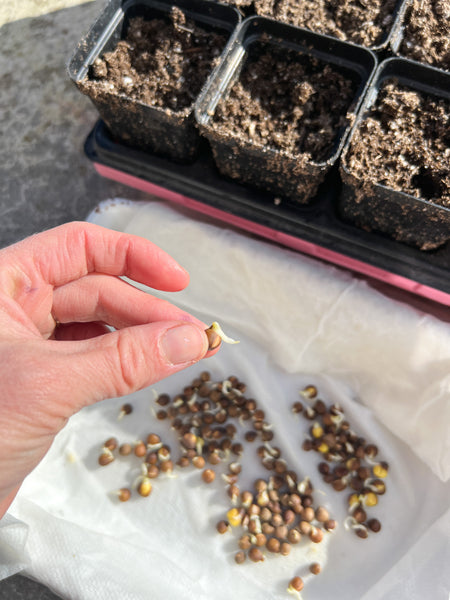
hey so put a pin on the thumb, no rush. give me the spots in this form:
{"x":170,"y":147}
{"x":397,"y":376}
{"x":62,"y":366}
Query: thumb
{"x":123,"y":361}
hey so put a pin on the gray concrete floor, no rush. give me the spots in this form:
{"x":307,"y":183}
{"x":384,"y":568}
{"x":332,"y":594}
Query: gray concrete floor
{"x":45,"y":179}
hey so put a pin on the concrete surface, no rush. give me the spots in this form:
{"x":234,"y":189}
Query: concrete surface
{"x":45,"y":179}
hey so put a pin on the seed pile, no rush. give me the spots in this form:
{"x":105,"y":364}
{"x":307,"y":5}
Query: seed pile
{"x":350,"y":462}
{"x":154,"y":454}
{"x":278,"y":511}
{"x":215,"y":423}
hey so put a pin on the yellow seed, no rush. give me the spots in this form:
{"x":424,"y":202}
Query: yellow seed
{"x":317,"y":430}
{"x":145,"y":487}
{"x":354,"y":500}
{"x":234,"y":517}
{"x":380,"y":471}
{"x":323,"y":448}
{"x":370,"y":499}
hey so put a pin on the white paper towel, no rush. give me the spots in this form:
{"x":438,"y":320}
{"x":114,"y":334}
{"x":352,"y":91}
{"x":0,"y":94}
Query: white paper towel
{"x":299,"y":321}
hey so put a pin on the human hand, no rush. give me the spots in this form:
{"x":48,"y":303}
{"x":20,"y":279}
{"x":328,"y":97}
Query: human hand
{"x":59,"y":290}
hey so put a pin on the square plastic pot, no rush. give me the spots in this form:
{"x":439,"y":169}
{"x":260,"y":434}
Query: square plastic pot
{"x":294,"y":176}
{"x":375,"y":207}
{"x":160,"y":130}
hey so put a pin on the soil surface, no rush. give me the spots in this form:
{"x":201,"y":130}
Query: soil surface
{"x":160,"y":63}
{"x":426,"y":36}
{"x":364,"y":22}
{"x":287,"y":101}
{"x":404,"y":144}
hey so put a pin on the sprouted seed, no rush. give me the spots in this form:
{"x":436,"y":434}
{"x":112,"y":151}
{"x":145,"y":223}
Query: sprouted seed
{"x":295,"y":586}
{"x":124,"y":494}
{"x":126,"y":409}
{"x":216,"y":335}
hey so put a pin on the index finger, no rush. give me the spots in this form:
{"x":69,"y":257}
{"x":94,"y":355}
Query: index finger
{"x":73,"y":250}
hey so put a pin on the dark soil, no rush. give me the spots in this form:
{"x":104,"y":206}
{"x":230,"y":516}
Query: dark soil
{"x":426,"y":36}
{"x":160,"y":63}
{"x":287,"y":101}
{"x":404,"y":144}
{"x":364,"y":22}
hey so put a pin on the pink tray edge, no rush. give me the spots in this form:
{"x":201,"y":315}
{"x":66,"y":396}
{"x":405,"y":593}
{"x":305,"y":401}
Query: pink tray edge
{"x":277,"y":236}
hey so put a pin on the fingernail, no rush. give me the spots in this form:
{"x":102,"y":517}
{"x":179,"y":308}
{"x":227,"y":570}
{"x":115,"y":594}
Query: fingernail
{"x":183,"y":343}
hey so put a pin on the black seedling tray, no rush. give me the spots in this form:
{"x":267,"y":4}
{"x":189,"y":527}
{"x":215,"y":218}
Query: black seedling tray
{"x":315,"y":228}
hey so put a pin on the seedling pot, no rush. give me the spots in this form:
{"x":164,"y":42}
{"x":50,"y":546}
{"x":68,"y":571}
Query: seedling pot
{"x":292,"y":173}
{"x":161,"y":129}
{"x":418,"y":220}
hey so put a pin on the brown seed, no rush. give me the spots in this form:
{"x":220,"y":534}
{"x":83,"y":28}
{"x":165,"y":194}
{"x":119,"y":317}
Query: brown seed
{"x":166,"y":466}
{"x":237,"y":448}
{"x":289,"y":516}
{"x":285,"y":549}
{"x":371,"y":450}
{"x":244,"y":542}
{"x":316,"y":535}
{"x":267,"y":528}
{"x":363,"y":473}
{"x":305,"y":527}
{"x":281,"y":532}
{"x":310,"y":391}
{"x":353,"y":464}
{"x":223,"y":526}
{"x":251,"y":436}
{"x":323,"y":468}
{"x":322,"y":514}
{"x":214,"y":340}
{"x":297,"y":407}
{"x":308,"y":514}
{"x":183,"y":462}
{"x":152,"y":471}
{"x":111,"y":444}
{"x":361,"y":532}
{"x":296,"y":584}
{"x":153,"y":439}
{"x":124,"y":494}
{"x":161,"y":415}
{"x":198,"y":462}
{"x":330,"y":524}
{"x":294,"y":536}
{"x":255,"y":554}
{"x":163,"y":399}
{"x":126,"y":409}
{"x":314,"y":568}
{"x":273,"y":545}
{"x":339,"y":485}
{"x":307,"y":445}
{"x":359,"y":514}
{"x":105,"y":458}
{"x":356,"y":484}
{"x":374,"y":525}
{"x":125,"y":449}
{"x":208,"y":475}
{"x":239,"y":557}
{"x":261,"y":539}
{"x":189,"y":440}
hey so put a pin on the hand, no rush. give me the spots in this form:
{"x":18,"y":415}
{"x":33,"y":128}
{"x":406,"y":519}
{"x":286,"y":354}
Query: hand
{"x":59,"y":290}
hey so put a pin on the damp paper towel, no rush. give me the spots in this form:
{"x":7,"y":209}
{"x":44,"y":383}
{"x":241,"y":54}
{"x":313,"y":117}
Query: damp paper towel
{"x":299,"y":322}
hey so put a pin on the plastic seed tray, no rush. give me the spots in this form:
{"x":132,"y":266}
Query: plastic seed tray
{"x":314,"y":229}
